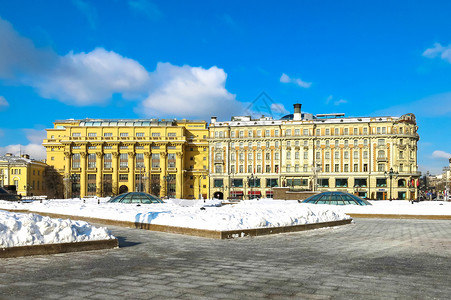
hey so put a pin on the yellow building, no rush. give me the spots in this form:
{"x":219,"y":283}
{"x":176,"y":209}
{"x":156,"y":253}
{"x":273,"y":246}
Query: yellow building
{"x":168,"y":158}
{"x":23,"y":174}
{"x":325,"y":152}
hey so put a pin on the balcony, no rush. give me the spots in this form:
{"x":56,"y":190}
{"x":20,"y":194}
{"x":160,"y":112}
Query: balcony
{"x":382,"y":159}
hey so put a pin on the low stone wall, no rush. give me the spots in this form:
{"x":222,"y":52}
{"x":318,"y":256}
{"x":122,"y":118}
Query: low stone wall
{"x":284,"y":193}
{"x":47,"y":249}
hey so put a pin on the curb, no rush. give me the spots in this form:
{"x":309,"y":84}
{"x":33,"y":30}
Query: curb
{"x":47,"y":249}
{"x":213,"y":234}
{"x":395,"y":216}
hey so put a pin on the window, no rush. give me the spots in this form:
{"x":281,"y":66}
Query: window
{"x":123,"y":134}
{"x":337,"y":131}
{"x":318,"y":132}
{"x":249,"y":133}
{"x":380,"y":142}
{"x":356,"y":131}
{"x":232,"y":169}
{"x":296,"y":132}
{"x":108,"y":147}
{"x":241,"y":169}
{"x":327,"y":168}
{"x":271,"y":182}
{"x":268,"y":169}
{"x":250,"y":156}
{"x":337,"y":168}
{"x":108,"y":134}
{"x":305,"y":168}
{"x":305,"y":132}
{"x":123,"y":177}
{"x":327,"y":155}
{"x":276,"y":132}
{"x":267,"y":133}
{"x":76,"y":160}
{"x":288,"y":155}
{"x":296,"y":155}
{"x":337,"y":155}
{"x":218,"y":168}
{"x":218,"y":183}
{"x":381,"y":167}
{"x":237,"y":183}
{"x":323,"y":182}
{"x":341,"y":182}
{"x":233,"y":156}
{"x":259,"y":133}
{"x":259,"y":168}
{"x":327,"y":131}
{"x":241,"y":133}
{"x":76,"y":134}
{"x":360,"y":182}
{"x":356,"y":155}
{"x":384,"y":130}
{"x":327,"y":143}
{"x":365,"y":130}
{"x":381,"y":182}
{"x":296,"y":168}
{"x":346,"y":155}
{"x":401,"y":154}
{"x":141,"y":134}
{"x":92,"y":134}
{"x":276,"y":156}
{"x":107,"y":160}
{"x":123,"y":147}
{"x":91,"y":160}
{"x":365,"y":154}
{"x":346,"y":131}
{"x":346,"y":168}
{"x":288,"y":168}
{"x":306,"y":155}
{"x":288,"y":132}
{"x":318,"y":155}
{"x":356,"y":167}
{"x":259,"y":156}
{"x":381,"y":154}
{"x":365,"y":167}
{"x":346,"y":143}
{"x":336,"y":143}
{"x":241,"y":156}
{"x":123,"y":160}
{"x":155,"y":160}
{"x":139,"y":160}
{"x":267,"y":156}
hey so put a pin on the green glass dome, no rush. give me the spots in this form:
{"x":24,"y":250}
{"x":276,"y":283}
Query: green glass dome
{"x":135,"y":198}
{"x":336,"y":198}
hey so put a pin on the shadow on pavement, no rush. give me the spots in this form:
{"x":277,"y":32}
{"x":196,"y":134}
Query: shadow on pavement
{"x":124,"y":243}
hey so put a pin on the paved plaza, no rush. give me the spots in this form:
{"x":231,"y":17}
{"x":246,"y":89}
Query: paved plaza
{"x":370,"y":259}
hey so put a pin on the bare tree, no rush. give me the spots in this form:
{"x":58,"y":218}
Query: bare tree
{"x":53,"y":182}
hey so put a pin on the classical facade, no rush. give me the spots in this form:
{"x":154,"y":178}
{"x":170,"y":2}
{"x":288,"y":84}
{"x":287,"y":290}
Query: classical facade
{"x":373,"y":157}
{"x":23,"y":175}
{"x":168,"y":158}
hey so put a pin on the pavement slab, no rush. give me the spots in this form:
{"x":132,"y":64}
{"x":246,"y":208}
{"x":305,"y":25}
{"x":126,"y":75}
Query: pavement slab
{"x":369,"y":259}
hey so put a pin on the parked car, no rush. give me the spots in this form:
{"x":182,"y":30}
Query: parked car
{"x":4,"y":195}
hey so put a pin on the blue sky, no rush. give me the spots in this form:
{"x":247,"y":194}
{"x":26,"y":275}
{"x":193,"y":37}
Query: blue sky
{"x":195,"y":59}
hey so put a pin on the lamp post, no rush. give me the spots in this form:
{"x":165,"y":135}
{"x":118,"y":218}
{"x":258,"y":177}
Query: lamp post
{"x":390,"y":175}
{"x":251,"y":179}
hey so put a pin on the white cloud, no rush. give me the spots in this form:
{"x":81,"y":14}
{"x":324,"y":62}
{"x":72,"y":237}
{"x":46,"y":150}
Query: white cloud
{"x":92,"y":78}
{"x":336,"y":102}
{"x":438,"y":154}
{"x":146,"y":7}
{"x":279,"y":108}
{"x":287,"y":79}
{"x":36,"y":151}
{"x":76,"y":78}
{"x":88,"y":10}
{"x":35,"y":136}
{"x":422,"y":107}
{"x":3,"y":103}
{"x":439,"y":51}
{"x":189,"y":92}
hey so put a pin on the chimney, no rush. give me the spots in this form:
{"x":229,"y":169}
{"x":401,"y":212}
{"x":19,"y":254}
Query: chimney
{"x":297,"y":112}
{"x":213,"y":120}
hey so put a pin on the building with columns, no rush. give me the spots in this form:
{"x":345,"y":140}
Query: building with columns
{"x":100,"y":157}
{"x":373,"y":157}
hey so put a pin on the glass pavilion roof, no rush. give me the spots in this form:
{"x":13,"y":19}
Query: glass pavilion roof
{"x":135,"y":198}
{"x":336,"y":198}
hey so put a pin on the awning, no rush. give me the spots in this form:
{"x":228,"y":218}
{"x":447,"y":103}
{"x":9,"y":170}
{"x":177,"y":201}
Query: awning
{"x":258,"y":193}
{"x":236,"y":193}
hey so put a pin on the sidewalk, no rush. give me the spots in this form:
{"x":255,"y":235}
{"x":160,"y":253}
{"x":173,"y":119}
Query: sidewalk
{"x":371,"y":259}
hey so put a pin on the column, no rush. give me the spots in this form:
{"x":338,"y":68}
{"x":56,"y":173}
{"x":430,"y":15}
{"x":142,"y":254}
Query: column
{"x":83,"y":174}
{"x":163,"y":174}
{"x":179,"y":176}
{"x":115,"y":173}
{"x":131,"y":171}
{"x":99,"y":179}
{"x":67,"y":182}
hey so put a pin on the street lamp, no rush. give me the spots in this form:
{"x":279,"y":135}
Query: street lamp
{"x":251,"y":179}
{"x":390,"y":175}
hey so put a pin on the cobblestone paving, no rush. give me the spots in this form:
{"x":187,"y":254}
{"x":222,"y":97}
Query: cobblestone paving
{"x":370,"y":259}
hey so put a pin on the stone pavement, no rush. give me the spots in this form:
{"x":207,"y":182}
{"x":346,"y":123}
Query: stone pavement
{"x":371,"y":259}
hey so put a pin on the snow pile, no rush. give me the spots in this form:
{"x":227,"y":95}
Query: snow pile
{"x":18,"y":229}
{"x":401,"y":207}
{"x":199,"y":215}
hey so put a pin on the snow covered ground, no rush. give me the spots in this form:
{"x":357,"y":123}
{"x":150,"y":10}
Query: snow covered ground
{"x":29,"y":229}
{"x":192,"y":214}
{"x":401,"y":207}
{"x":20,"y":229}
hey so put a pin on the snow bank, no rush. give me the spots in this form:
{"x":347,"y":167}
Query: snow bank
{"x":401,"y":207}
{"x":18,"y":229}
{"x":199,"y":214}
